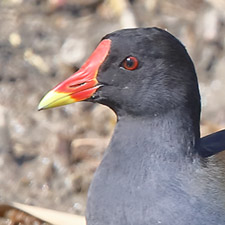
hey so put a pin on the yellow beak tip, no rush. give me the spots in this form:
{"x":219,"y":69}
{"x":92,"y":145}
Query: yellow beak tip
{"x":40,"y":108}
{"x":54,"y":99}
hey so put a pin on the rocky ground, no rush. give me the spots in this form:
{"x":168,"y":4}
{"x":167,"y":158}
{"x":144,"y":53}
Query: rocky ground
{"x":48,"y":158}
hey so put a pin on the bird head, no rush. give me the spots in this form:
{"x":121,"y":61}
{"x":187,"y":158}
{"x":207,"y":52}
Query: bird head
{"x":142,"y":71}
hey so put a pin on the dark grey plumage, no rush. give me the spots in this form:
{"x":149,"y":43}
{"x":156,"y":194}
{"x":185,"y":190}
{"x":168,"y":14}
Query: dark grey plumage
{"x":153,"y":171}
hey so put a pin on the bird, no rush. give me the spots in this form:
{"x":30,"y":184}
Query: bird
{"x":156,"y":168}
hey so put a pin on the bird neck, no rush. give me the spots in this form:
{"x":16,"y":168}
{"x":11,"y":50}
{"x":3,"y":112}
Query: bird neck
{"x":168,"y":136}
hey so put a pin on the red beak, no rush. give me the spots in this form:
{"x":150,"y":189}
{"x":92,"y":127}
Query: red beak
{"x":82,"y":84}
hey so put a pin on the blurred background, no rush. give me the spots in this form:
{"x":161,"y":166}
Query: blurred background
{"x":48,"y":158}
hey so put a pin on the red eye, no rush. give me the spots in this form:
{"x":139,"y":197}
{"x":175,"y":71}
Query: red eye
{"x":130,"y":63}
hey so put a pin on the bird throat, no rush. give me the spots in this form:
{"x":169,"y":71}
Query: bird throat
{"x":167,"y":136}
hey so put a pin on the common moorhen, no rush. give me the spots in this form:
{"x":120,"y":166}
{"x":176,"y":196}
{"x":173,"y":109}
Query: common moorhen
{"x":156,"y":169}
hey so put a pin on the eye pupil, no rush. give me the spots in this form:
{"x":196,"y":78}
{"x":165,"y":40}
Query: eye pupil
{"x":130,"y":63}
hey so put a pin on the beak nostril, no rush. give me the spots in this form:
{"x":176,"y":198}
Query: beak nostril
{"x":77,"y":85}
